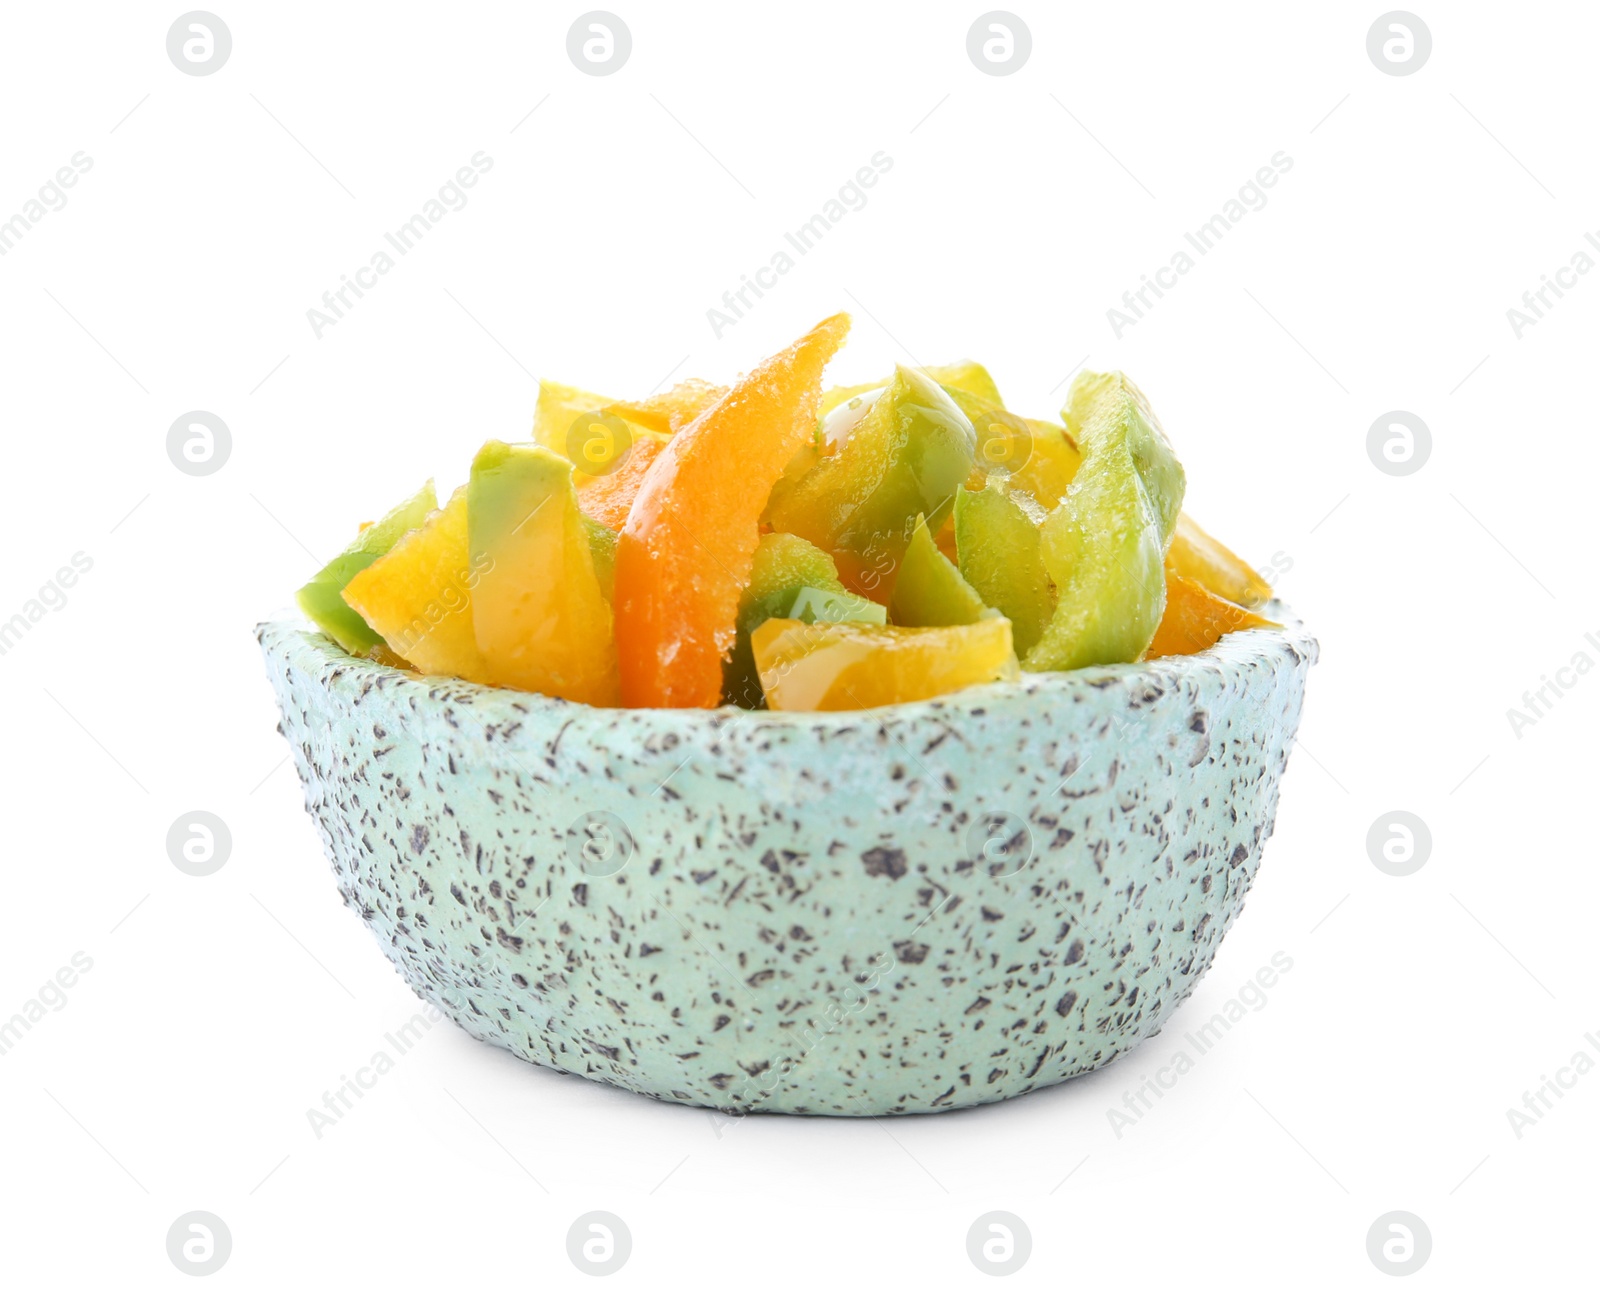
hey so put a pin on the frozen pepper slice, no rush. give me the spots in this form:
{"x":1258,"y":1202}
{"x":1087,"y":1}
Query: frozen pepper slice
{"x":418,"y":597}
{"x":910,"y":452}
{"x":966,"y":375}
{"x":1103,"y":545}
{"x":608,"y":498}
{"x":1195,"y":619}
{"x":539,"y":614}
{"x":789,"y":578}
{"x":685,"y":553}
{"x":929,"y":590}
{"x":831,"y":667}
{"x":1196,"y":554}
{"x":669,"y":412}
{"x":997,"y":540}
{"x":322,"y":600}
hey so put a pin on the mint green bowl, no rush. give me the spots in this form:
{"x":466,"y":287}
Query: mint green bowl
{"x":895,"y":911}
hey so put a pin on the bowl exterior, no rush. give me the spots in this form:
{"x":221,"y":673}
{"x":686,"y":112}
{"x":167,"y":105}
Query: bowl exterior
{"x":905,"y":910}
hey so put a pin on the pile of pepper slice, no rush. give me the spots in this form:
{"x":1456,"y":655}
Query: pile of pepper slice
{"x":769,"y":544}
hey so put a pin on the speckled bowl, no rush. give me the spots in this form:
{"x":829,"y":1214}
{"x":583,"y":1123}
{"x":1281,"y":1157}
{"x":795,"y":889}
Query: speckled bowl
{"x":896,"y":911}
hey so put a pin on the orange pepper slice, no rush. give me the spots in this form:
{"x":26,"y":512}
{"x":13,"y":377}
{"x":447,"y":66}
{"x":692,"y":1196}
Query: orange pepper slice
{"x":1195,"y":619}
{"x":669,"y":412}
{"x":685,"y":552}
{"x":609,"y":497}
{"x":1199,"y":556}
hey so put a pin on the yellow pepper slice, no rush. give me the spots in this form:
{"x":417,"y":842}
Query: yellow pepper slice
{"x":843,"y":666}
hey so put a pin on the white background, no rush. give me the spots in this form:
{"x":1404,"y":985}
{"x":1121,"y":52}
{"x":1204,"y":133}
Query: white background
{"x":219,"y":1010}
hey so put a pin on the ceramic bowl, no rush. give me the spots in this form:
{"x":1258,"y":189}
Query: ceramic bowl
{"x":896,"y":911}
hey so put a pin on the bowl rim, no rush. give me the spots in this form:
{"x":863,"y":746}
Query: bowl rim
{"x":1234,"y":654}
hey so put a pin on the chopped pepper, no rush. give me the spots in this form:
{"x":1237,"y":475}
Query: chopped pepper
{"x":685,"y":553}
{"x":1195,"y":619}
{"x":539,"y":613}
{"x":1103,"y":545}
{"x":909,"y":453}
{"x":830,"y":667}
